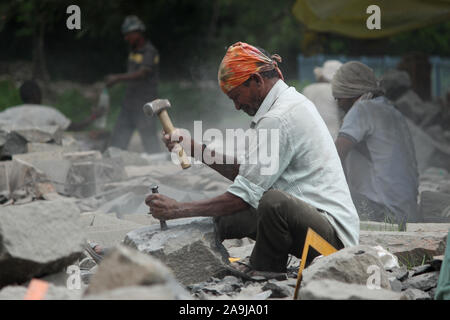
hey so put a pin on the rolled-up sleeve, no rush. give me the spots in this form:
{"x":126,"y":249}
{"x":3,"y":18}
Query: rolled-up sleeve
{"x":256,"y":178}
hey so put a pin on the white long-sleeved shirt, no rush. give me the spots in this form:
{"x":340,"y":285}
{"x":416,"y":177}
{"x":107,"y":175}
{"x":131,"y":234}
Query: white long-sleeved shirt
{"x":306,"y":166}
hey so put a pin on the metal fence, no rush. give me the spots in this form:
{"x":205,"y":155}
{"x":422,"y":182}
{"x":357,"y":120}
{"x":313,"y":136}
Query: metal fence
{"x":440,"y":74}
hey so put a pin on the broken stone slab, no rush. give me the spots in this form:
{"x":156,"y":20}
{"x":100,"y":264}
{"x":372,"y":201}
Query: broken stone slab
{"x":424,"y":282}
{"x":40,"y":134}
{"x":38,"y":238}
{"x":88,"y":178}
{"x":126,"y":267}
{"x":128,"y":158}
{"x":279,"y":289}
{"x":411,"y":248}
{"x":328,"y":289}
{"x":83,"y":156}
{"x":26,"y":180}
{"x":416,"y":294}
{"x":434,"y":204}
{"x":396,"y":285}
{"x":188,"y":247}
{"x":14,"y":144}
{"x":350,"y":265}
{"x":39,"y":156}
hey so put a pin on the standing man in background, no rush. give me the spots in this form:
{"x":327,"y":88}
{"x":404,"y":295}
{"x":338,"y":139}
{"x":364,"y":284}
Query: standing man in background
{"x":142,"y":86}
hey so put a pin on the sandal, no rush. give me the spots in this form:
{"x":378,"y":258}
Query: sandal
{"x":243,"y":270}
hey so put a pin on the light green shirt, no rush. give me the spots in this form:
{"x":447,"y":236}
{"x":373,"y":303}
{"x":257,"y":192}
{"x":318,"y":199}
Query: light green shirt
{"x":306,"y":165}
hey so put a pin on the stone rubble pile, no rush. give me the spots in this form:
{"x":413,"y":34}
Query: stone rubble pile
{"x":56,"y":195}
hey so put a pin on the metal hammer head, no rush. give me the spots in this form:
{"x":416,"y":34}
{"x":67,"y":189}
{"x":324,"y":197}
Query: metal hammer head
{"x":156,"y":106}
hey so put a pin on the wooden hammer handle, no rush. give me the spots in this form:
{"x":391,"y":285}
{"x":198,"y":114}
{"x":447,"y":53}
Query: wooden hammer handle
{"x":169,"y":128}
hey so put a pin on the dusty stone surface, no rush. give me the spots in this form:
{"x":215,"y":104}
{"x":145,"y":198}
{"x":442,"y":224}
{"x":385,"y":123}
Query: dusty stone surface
{"x":106,"y":229}
{"x":53,"y":293}
{"x":128,"y":158}
{"x":38,"y":238}
{"x":409,"y":247}
{"x":349,"y":265}
{"x":156,"y":292}
{"x":188,"y":247}
{"x":435,"y":206}
{"x":328,"y":289}
{"x":126,"y":267}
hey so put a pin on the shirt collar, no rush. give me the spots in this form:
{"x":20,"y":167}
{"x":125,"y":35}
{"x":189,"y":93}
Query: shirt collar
{"x":269,"y":100}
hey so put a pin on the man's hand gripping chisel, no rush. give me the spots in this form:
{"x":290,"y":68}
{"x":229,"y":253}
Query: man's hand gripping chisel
{"x":162,"y":223}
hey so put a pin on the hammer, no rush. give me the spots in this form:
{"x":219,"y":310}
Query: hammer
{"x":159,"y":107}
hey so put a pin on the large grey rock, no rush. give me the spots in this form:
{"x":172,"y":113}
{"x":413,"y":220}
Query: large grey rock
{"x":126,"y":267}
{"x":188,"y":247}
{"x":14,"y":144}
{"x":37,"y":239}
{"x":327,"y":289}
{"x":411,"y":248}
{"x":424,"y":282}
{"x":349,"y":265}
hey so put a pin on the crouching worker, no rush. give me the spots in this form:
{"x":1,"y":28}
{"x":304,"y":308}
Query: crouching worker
{"x":376,"y":149}
{"x":306,"y":188}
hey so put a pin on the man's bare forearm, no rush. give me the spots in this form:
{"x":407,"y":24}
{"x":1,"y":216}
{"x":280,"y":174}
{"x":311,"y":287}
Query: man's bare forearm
{"x":226,"y":169}
{"x":224,"y":204}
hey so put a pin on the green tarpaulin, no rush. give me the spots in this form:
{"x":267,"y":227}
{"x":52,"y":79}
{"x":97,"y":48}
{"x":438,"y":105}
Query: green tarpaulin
{"x":348,"y":17}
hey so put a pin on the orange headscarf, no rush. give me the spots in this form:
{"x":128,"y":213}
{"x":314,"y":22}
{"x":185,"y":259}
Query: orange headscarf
{"x":240,"y":62}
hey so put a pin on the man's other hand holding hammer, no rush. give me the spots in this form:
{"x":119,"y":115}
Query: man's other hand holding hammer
{"x":163,"y":207}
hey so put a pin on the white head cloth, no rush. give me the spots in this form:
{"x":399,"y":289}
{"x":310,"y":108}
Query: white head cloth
{"x":355,"y":79}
